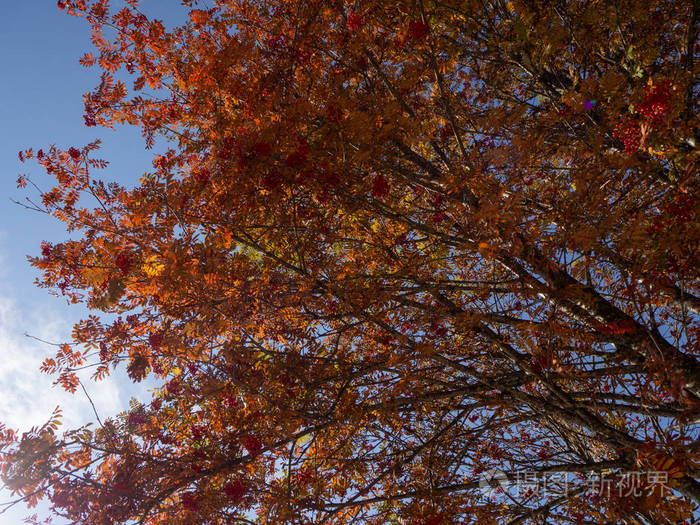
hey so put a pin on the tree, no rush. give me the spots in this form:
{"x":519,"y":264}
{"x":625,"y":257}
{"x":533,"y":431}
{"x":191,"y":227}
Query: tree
{"x":393,"y":246}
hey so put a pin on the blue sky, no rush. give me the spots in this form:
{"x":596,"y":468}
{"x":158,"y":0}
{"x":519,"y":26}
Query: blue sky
{"x":42,"y":86}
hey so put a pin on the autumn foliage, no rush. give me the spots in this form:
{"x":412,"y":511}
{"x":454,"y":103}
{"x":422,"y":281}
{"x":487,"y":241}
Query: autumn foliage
{"x":392,"y":246}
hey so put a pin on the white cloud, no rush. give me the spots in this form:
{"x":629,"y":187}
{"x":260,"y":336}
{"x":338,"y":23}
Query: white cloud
{"x":29,"y":396}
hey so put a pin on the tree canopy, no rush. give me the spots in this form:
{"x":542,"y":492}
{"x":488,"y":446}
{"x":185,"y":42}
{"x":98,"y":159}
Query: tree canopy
{"x":392,"y":247}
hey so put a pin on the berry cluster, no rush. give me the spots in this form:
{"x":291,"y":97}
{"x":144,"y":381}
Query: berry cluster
{"x":189,"y":501}
{"x":651,"y":110}
{"x":354,"y":21}
{"x":235,"y":490}
{"x":123,"y":261}
{"x":417,"y":30}
{"x":655,"y":103}
{"x":380,"y":187}
{"x":630,"y":134}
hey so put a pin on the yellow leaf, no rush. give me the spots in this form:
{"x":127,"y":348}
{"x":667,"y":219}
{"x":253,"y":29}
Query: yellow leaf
{"x":94,"y":276}
{"x":152,"y":267}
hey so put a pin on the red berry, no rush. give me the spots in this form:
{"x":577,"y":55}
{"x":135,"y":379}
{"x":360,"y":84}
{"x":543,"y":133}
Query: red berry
{"x":630,"y":134}
{"x":202,"y":177}
{"x":271,"y":181}
{"x":123,"y":262}
{"x":235,"y":490}
{"x":446,"y":132}
{"x":417,"y":30}
{"x":354,"y":21}
{"x":334,"y":113}
{"x":655,"y":104}
{"x":155,"y":340}
{"x":46,"y":248}
{"x":189,"y":501}
{"x":252,"y":444}
{"x":262,"y":148}
{"x":296,"y":159}
{"x":380,"y":187}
